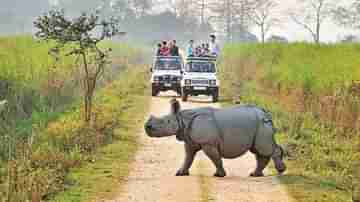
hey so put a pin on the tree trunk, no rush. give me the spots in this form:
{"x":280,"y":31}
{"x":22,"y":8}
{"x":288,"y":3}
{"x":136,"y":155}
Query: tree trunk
{"x":262,"y":34}
{"x":88,"y":106}
{"x":318,"y":25}
{"x":228,"y":22}
{"x":202,"y":13}
{"x":90,"y":88}
{"x":317,"y":33}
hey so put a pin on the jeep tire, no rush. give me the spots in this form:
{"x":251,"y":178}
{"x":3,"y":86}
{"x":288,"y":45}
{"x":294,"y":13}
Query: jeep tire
{"x":154,"y":92}
{"x":179,"y":91}
{"x":215,"y":96}
{"x":184,"y":95}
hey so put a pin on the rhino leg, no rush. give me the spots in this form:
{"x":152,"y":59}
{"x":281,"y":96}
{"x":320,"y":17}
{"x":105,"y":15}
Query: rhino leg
{"x":261,"y":163}
{"x":277,"y":158}
{"x":214,"y":155}
{"x":189,"y":158}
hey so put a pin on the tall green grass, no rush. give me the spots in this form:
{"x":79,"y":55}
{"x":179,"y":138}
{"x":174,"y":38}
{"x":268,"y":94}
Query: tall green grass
{"x":319,"y":68}
{"x":26,"y":62}
{"x":313,"y":94}
{"x":36,"y":88}
{"x":40,"y":90}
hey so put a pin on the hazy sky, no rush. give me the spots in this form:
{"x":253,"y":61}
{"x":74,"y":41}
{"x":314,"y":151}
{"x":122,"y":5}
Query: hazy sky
{"x":329,"y":32}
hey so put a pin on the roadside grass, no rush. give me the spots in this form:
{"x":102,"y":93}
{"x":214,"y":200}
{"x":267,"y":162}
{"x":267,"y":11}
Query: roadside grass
{"x":322,"y":156}
{"x":43,"y":134}
{"x":39,"y":90}
{"x":101,"y":178}
{"x":66,"y":165}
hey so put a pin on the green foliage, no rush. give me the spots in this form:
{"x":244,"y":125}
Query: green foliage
{"x":323,"y":152}
{"x":317,"y":68}
{"x":69,"y":142}
{"x":123,"y":110}
{"x":27,"y":61}
{"x":38,"y":91}
{"x":76,"y":37}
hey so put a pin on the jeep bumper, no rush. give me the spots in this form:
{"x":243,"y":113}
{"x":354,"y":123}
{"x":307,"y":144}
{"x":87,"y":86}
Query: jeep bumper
{"x":200,"y":90}
{"x":161,"y":86}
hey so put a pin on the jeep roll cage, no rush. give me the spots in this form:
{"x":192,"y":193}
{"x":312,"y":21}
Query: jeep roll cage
{"x":167,"y":58}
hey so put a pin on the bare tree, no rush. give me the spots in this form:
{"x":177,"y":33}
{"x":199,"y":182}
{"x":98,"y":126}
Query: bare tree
{"x":141,"y":7}
{"x":262,"y":16}
{"x":312,"y":15}
{"x":229,"y":14}
{"x":122,"y":9}
{"x":182,"y":8}
{"x":348,"y":16}
{"x":78,"y":37}
{"x":201,"y":8}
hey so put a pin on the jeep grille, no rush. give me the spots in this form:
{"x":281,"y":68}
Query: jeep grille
{"x":202,"y":82}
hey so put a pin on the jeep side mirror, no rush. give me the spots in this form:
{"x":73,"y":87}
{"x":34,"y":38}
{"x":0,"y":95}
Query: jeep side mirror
{"x":151,"y":70}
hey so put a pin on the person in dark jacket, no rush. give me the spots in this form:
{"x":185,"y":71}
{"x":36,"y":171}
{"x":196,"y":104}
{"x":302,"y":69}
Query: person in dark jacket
{"x":174,"y":50}
{"x":158,"y":51}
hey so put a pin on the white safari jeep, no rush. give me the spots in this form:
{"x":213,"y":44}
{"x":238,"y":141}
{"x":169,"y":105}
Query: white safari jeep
{"x":166,"y":74}
{"x":199,"y":78}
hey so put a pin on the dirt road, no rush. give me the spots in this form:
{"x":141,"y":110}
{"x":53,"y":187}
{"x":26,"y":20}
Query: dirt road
{"x":152,"y":177}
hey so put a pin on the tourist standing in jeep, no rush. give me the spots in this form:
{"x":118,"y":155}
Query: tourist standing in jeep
{"x":214,"y":47}
{"x":174,"y":50}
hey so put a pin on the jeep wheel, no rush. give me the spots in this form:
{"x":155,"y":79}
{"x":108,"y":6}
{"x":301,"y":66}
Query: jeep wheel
{"x":215,"y":97}
{"x":154,"y":92}
{"x":184,"y":96}
{"x":179,"y":92}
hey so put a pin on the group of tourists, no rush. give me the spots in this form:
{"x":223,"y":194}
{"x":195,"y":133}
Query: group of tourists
{"x":169,"y":48}
{"x":211,"y":49}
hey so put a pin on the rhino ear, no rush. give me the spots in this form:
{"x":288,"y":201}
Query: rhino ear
{"x":175,"y":106}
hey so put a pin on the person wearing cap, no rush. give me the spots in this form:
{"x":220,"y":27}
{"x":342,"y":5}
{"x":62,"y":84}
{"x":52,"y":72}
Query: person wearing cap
{"x":214,"y":47}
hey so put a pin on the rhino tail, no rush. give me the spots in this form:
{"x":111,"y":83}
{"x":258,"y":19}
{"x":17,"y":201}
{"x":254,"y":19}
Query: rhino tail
{"x":278,"y":157}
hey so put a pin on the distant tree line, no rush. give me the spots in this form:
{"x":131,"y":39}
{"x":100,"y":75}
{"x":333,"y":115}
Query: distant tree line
{"x":184,"y":19}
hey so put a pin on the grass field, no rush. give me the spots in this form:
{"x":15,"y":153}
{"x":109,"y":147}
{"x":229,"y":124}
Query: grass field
{"x":313,"y":93}
{"x":111,"y":162}
{"x":42,"y":136}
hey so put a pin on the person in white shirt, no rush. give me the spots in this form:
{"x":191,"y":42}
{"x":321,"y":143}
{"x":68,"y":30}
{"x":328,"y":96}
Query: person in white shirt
{"x":214,"y":47}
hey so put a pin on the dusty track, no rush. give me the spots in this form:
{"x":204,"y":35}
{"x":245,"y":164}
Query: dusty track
{"x":152,"y":177}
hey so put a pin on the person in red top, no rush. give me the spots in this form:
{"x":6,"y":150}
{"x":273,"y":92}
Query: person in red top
{"x":164,"y":50}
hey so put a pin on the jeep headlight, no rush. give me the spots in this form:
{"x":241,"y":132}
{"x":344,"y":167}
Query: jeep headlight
{"x":188,"y":82}
{"x":213,"y":82}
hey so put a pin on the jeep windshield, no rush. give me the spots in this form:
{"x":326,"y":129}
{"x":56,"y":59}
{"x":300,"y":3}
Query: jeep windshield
{"x":201,"y":67}
{"x":168,"y":64}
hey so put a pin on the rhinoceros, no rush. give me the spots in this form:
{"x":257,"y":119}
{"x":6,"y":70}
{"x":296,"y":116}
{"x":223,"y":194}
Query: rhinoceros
{"x":221,"y":133}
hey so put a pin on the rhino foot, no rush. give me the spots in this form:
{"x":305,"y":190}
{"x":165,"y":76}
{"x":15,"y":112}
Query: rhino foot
{"x":182,"y":173}
{"x":256,"y":174}
{"x":281,"y":168}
